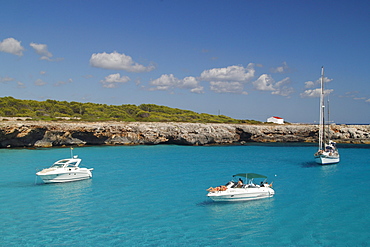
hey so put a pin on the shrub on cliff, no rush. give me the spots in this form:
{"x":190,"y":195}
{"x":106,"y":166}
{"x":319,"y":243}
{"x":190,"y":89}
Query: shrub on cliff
{"x":62,"y":110}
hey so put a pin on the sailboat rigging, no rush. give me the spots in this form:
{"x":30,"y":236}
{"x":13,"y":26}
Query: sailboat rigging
{"x":327,"y":152}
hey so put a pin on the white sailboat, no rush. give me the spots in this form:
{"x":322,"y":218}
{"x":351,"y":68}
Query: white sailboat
{"x":327,"y":152}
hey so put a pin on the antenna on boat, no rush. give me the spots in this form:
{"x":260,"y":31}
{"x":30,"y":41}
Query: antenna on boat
{"x":71,"y":152}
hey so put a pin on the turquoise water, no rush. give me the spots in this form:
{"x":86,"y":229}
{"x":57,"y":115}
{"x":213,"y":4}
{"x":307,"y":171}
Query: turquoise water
{"x":156,"y":196}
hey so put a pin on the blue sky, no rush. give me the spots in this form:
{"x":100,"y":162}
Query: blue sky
{"x":244,"y":59}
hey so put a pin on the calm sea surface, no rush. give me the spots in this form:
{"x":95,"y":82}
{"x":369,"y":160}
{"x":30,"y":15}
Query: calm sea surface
{"x":156,"y":196}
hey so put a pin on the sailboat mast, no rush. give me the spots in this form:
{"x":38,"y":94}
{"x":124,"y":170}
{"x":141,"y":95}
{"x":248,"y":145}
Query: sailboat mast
{"x":328,"y":120}
{"x":322,"y":112}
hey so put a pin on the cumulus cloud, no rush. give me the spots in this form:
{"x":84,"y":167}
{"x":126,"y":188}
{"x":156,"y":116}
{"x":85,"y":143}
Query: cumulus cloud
{"x":267,"y":83}
{"x":165,"y":82}
{"x":233,"y":73}
{"x":311,"y":84}
{"x":113,"y":80}
{"x":314,"y":93}
{"x":12,"y":46}
{"x":117,"y":61}
{"x":264,"y":83}
{"x":169,"y":82}
{"x":311,"y":93}
{"x":227,"y":87}
{"x":230,"y":79}
{"x":42,"y":50}
{"x":281,"y":69}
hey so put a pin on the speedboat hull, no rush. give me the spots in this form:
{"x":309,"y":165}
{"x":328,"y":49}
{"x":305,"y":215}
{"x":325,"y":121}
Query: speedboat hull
{"x":62,"y":175}
{"x":241,"y":194}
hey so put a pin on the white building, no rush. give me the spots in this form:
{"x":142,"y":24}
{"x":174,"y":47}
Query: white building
{"x":277,"y":120}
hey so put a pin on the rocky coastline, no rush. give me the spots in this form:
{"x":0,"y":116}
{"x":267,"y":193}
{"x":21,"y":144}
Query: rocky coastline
{"x":15,"y":134}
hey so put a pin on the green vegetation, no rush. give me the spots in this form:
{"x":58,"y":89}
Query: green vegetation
{"x":52,"y":110}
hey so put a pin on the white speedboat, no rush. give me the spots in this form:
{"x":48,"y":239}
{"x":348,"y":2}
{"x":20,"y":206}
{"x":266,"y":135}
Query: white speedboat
{"x":327,"y":152}
{"x":65,"y":170}
{"x":240,"y":191}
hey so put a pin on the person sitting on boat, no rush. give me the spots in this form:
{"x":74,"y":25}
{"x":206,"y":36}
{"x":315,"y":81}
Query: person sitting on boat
{"x":240,"y":183}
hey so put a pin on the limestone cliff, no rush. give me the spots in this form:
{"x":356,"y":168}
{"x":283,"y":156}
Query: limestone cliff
{"x":50,"y":134}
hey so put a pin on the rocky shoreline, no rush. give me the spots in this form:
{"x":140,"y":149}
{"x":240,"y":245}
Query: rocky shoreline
{"x":53,"y":134}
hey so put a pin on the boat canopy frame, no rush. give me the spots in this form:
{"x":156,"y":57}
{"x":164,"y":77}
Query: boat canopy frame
{"x":249,"y":175}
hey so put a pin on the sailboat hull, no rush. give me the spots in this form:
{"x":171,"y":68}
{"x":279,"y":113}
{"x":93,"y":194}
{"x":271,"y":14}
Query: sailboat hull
{"x":324,"y":159}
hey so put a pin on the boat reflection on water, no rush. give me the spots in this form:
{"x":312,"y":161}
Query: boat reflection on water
{"x":68,"y":199}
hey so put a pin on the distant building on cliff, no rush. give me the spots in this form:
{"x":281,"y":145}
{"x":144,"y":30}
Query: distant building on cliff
{"x":277,"y":120}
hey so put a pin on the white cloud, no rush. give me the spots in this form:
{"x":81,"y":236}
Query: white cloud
{"x":165,"y":82}
{"x":282,"y":89}
{"x":267,"y":83}
{"x":282,"y":69}
{"x":112,"y":81}
{"x":314,"y":93}
{"x":360,"y":98}
{"x":42,"y":50}
{"x":311,"y":84}
{"x":42,"y":72}
{"x":264,"y":83}
{"x":40,"y":82}
{"x":6,"y":79}
{"x":230,"y":79}
{"x":20,"y":85}
{"x":326,"y":80}
{"x":282,"y":82}
{"x":63,"y":82}
{"x":233,"y":73}
{"x":197,"y":90}
{"x":169,"y":82}
{"x":12,"y":46}
{"x":227,"y":87}
{"x":117,"y":61}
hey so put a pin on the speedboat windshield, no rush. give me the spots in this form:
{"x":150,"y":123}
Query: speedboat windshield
{"x":62,"y":163}
{"x":57,"y":165}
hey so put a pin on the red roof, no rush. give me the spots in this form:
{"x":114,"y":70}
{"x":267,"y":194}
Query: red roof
{"x":277,"y":117}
